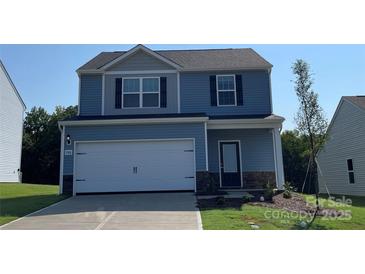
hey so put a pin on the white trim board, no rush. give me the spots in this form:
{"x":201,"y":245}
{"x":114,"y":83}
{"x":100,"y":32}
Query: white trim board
{"x":211,"y":124}
{"x":62,"y":151}
{"x":136,"y":121}
{"x":103,"y":94}
{"x":206,"y":147}
{"x":133,"y":72}
{"x":134,"y":50}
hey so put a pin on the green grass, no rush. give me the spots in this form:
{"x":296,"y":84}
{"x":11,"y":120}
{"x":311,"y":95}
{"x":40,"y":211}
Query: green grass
{"x":17,"y":200}
{"x":272,"y":219}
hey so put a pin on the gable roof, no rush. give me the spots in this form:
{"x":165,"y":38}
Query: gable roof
{"x":12,"y":84}
{"x":358,"y":101}
{"x":187,"y":60}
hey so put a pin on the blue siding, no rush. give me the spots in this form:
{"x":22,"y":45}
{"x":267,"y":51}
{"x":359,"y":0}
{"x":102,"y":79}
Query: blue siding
{"x":90,"y":94}
{"x":195,"y":93}
{"x":128,"y":132}
{"x":256,"y":148}
{"x":140,"y":61}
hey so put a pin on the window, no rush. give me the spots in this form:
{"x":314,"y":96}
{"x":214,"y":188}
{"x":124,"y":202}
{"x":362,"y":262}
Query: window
{"x":141,"y":92}
{"x":151,"y":92}
{"x":226,"y":90}
{"x":350,"y":170}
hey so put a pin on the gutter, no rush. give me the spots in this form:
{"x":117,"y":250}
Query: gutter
{"x":212,"y":123}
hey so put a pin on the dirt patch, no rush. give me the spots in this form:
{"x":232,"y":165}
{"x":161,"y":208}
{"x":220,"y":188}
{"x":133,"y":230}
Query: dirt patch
{"x":297,"y":204}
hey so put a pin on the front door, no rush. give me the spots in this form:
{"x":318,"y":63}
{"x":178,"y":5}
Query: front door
{"x":230,"y":165}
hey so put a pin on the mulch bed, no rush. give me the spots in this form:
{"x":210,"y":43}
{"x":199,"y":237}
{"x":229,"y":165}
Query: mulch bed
{"x":297,"y":204}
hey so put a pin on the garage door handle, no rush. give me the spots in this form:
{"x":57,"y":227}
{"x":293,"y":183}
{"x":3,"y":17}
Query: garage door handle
{"x":80,"y":180}
{"x":189,"y":177}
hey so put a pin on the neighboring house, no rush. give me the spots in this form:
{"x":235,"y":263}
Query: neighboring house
{"x":12,"y":110}
{"x":171,"y":120}
{"x":342,"y":159}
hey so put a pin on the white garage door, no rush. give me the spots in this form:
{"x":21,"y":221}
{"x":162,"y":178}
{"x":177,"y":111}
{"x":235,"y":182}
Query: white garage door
{"x":134,"y":166}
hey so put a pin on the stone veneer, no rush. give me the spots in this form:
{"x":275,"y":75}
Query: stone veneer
{"x":209,"y":182}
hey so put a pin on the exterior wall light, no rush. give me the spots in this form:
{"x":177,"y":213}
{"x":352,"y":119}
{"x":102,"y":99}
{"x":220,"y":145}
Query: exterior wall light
{"x":68,"y":139}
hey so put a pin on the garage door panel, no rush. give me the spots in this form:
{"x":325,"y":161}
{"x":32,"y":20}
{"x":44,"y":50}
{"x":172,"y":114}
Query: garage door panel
{"x":161,"y":165}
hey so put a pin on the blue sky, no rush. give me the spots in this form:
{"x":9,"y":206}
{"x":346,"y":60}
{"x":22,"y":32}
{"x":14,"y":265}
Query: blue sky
{"x":45,"y":74}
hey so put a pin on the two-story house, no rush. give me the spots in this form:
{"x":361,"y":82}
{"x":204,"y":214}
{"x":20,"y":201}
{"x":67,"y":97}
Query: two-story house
{"x":341,"y":161}
{"x":12,"y":110}
{"x":166,"y":120}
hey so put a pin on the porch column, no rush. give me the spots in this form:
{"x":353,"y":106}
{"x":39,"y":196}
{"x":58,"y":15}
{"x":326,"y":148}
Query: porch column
{"x":278,"y":157}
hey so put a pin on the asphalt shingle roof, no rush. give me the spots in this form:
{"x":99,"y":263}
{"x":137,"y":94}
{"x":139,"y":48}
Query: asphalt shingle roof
{"x":357,"y":100}
{"x":210,"y":59}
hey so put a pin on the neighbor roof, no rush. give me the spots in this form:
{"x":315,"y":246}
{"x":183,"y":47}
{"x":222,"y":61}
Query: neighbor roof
{"x":357,"y":100}
{"x":190,"y":60}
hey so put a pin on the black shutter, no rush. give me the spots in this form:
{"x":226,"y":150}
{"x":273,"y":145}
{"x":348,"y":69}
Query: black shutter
{"x":118,"y":93}
{"x":239,"y":90}
{"x":163,"y":92}
{"x":213,"y":90}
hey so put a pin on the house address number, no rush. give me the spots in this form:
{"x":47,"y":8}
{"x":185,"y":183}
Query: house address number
{"x":68,"y":152}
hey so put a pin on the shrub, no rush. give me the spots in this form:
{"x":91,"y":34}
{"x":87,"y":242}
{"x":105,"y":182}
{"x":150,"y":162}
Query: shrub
{"x":288,"y":189}
{"x":269,"y":191}
{"x":209,"y":183}
{"x":247,"y":197}
{"x":220,"y":200}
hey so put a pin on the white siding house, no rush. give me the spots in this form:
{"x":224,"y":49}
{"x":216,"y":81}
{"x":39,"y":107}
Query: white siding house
{"x":12,"y":110}
{"x":342,"y":160}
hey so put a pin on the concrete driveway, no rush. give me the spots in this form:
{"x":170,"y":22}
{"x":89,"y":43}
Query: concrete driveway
{"x":116,"y":211}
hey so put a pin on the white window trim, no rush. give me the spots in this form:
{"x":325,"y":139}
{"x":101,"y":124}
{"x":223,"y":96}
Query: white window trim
{"x":141,"y":92}
{"x":348,"y":171}
{"x":234,"y":90}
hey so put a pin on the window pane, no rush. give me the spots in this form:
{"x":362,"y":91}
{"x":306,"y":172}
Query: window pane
{"x":131,"y":85}
{"x":225,"y":82}
{"x":226,"y":98}
{"x":150,"y":84}
{"x":349,"y":165}
{"x":150,"y":100}
{"x":229,"y":158}
{"x":130,"y":100}
{"x":351,"y":178}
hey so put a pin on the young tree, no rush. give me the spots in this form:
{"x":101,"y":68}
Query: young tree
{"x":310,"y":119}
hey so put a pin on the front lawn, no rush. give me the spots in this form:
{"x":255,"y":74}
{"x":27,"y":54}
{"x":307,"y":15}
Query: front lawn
{"x":247,"y":215}
{"x":17,"y":200}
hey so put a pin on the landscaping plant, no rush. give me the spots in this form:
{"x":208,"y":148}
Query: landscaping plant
{"x":269,"y":192}
{"x":288,"y":189}
{"x":310,"y":120}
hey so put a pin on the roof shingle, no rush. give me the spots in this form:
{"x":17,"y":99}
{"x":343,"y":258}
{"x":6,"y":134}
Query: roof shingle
{"x":357,"y":100}
{"x":209,"y":59}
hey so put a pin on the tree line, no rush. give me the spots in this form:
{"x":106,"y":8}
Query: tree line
{"x":41,"y":144}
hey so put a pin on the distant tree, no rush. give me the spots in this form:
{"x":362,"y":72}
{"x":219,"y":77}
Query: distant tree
{"x":310,"y":119}
{"x":295,"y":158}
{"x":41,"y":144}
